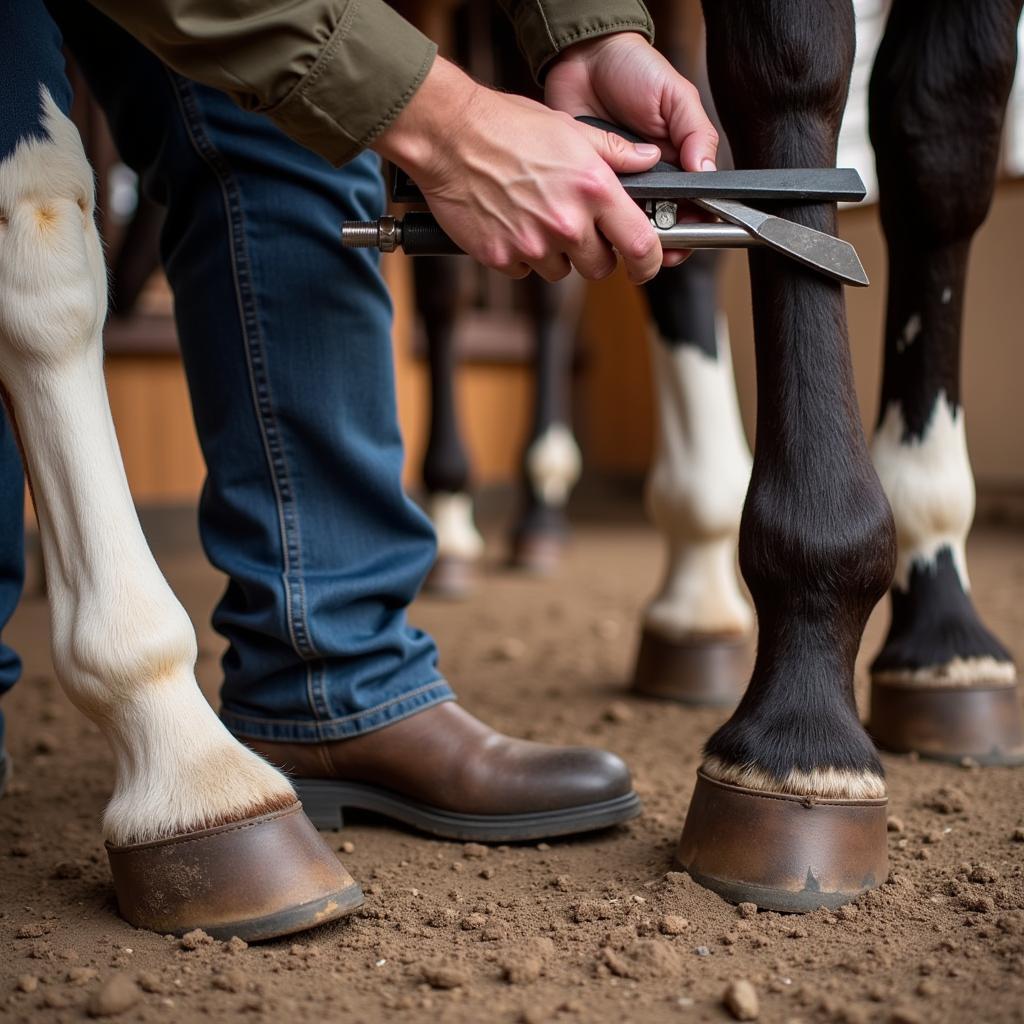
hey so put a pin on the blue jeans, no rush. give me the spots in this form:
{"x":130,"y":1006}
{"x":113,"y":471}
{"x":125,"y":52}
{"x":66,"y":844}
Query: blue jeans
{"x":286,"y":341}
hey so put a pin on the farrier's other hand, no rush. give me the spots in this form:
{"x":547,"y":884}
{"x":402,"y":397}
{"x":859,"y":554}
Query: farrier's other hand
{"x":520,"y":186}
{"x":622,"y":78}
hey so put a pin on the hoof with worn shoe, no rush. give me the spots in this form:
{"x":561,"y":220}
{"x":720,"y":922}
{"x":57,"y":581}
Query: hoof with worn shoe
{"x":783,"y":852}
{"x":258,"y":878}
{"x":700,"y":671}
{"x":446,"y":773}
{"x":452,"y":577}
{"x":539,"y":552}
{"x":949,"y":723}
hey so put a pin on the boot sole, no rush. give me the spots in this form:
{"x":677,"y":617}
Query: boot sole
{"x":325,"y":802}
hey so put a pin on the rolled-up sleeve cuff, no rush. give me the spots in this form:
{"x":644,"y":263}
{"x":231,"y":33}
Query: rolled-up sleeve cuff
{"x":546,"y":27}
{"x":366,"y":74}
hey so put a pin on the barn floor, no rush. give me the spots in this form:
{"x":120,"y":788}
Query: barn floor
{"x":567,"y":932}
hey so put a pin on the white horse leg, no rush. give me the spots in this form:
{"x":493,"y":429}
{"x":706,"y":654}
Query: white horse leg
{"x":123,"y":647}
{"x":696,"y":628}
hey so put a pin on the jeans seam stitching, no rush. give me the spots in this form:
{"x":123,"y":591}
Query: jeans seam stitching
{"x":288,"y":518}
{"x":325,"y":723}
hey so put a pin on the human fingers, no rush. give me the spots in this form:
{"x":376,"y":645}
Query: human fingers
{"x":622,"y":156}
{"x":627,"y":228}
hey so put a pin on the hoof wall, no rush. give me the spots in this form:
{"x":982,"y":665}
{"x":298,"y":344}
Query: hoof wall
{"x":948,"y":723}
{"x":538,"y":553}
{"x":786,"y":853}
{"x":258,"y":878}
{"x":452,"y":578}
{"x":710,"y":672}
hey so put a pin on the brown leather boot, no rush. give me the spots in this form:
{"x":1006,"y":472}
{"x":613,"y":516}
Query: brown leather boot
{"x":447,"y":773}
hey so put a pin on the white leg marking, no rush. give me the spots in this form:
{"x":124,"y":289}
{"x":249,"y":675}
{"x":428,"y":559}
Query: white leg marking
{"x":553,"y":463}
{"x":931,"y":490}
{"x":827,"y":783}
{"x":122,"y":645}
{"x":457,"y":535}
{"x":695,"y":492}
{"x":930,"y":486}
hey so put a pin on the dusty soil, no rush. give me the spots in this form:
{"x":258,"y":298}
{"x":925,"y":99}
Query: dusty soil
{"x":596,"y":929}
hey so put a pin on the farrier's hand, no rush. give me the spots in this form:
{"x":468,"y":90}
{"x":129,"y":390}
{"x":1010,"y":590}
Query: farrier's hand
{"x":623,"y":79}
{"x":521,"y":186}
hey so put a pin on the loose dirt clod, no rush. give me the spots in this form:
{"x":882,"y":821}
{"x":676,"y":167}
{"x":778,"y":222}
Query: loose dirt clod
{"x":747,"y":910}
{"x":673,"y":924}
{"x":229,"y":981}
{"x":28,"y":983}
{"x":117,"y":994}
{"x":740,"y":999}
{"x":946,"y":800}
{"x":983,"y":873}
{"x":618,"y":712}
{"x":194,"y":939}
{"x":149,"y":982}
{"x":68,"y":869}
{"x":444,"y":975}
{"x":521,"y":970}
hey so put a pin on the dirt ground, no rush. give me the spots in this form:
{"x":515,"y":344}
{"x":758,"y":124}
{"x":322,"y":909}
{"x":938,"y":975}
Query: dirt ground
{"x":594,"y":929}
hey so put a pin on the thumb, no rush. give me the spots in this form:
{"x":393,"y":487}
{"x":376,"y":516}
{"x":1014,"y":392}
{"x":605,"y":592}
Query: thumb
{"x":622,"y":156}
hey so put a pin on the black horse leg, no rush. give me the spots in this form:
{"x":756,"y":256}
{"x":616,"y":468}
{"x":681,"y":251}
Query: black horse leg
{"x":942,"y":684}
{"x":446,"y":472}
{"x":790,"y":804}
{"x":551,"y":458}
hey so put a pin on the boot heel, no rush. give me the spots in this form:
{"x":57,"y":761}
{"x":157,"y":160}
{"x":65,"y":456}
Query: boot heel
{"x":320,"y":803}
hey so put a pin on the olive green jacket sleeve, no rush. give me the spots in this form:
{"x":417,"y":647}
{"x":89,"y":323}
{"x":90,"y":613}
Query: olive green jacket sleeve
{"x":546,"y":27}
{"x":333,"y":74}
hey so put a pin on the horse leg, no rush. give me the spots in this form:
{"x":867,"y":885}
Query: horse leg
{"x":551,"y":458}
{"x":696,"y":631}
{"x":200,"y":830}
{"x":446,"y":470}
{"x":790,"y":803}
{"x":942,"y":684}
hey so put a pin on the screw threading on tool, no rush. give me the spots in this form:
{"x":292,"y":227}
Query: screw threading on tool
{"x":360,"y":234}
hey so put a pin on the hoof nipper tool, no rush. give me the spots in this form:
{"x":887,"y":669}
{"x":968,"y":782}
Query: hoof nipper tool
{"x":659,"y":191}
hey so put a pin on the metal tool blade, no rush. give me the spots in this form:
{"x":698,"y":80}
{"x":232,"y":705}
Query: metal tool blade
{"x":825,"y":253}
{"x":784,"y":184}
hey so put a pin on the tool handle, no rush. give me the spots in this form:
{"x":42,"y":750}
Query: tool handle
{"x":420,"y":235}
{"x":423,"y":236}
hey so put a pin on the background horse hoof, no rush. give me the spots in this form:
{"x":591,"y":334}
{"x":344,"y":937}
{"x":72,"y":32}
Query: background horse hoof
{"x":701,"y":671}
{"x":540,"y":553}
{"x":257,"y":878}
{"x":949,"y":723}
{"x":452,"y":577}
{"x":783,"y":852}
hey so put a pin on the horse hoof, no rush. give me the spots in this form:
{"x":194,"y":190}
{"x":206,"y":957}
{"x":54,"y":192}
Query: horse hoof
{"x":949,"y":723}
{"x":783,"y":852}
{"x":452,"y":577}
{"x":256,"y":878}
{"x":538,"y":553}
{"x":706,"y":671}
